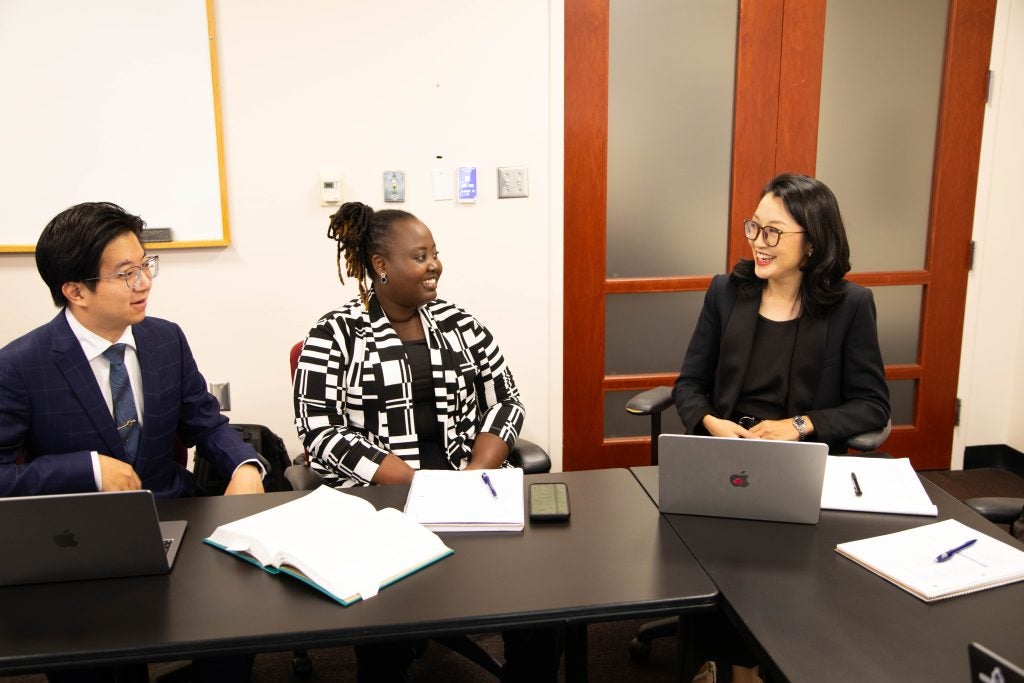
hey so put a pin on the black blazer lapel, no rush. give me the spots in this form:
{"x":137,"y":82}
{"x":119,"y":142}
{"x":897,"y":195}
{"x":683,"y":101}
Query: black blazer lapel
{"x":805,"y":370}
{"x":151,"y":380}
{"x":70,"y":360}
{"x":737,"y":348}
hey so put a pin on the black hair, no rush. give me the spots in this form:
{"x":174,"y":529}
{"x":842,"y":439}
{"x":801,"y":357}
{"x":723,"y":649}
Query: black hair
{"x":814,"y":207}
{"x":360,"y":233}
{"x":71,"y":246}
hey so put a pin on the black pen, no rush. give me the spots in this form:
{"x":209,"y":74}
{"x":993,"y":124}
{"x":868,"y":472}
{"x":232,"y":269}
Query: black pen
{"x":950,"y":553}
{"x":856,"y":484}
{"x":487,"y":480}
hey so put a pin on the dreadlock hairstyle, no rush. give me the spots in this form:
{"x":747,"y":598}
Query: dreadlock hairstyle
{"x":360,"y":233}
{"x":813,"y":206}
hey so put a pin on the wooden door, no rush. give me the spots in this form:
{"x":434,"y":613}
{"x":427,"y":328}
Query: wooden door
{"x":775,"y":128}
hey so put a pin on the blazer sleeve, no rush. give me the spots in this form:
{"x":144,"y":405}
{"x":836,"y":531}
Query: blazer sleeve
{"x":695,"y":385}
{"x":501,"y":410}
{"x":863,"y":401}
{"x":47,"y":473}
{"x":200,"y":422}
{"x":322,"y":404}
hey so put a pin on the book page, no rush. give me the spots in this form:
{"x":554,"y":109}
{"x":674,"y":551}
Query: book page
{"x":908,"y":559}
{"x":886,"y":484}
{"x":265,"y":535}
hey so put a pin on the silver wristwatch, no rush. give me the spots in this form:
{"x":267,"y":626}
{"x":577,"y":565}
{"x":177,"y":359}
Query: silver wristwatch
{"x":801,"y":426}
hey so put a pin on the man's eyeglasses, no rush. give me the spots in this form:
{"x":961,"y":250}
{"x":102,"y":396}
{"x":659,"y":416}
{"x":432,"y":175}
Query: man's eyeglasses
{"x":772,"y":235}
{"x":133,"y":276}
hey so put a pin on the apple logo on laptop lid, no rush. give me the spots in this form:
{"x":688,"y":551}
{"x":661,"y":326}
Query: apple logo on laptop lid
{"x":65,"y":539}
{"x":739,"y":480}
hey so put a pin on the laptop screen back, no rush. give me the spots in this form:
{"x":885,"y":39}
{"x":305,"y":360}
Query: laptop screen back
{"x":746,"y":478}
{"x":82,"y":536}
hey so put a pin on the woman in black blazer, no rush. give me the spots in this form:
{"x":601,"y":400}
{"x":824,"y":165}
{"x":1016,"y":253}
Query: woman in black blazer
{"x":785,"y":348}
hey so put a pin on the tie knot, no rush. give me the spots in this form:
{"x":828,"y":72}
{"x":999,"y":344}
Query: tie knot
{"x":115,"y":354}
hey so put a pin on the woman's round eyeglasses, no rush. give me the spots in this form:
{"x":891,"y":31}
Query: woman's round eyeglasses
{"x":772,"y":235}
{"x":133,"y":276}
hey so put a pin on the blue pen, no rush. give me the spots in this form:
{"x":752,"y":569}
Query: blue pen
{"x":950,"y":553}
{"x":487,"y":480}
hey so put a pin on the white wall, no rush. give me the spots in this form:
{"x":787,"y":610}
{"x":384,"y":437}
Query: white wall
{"x":992,"y":360}
{"x":365,"y":87}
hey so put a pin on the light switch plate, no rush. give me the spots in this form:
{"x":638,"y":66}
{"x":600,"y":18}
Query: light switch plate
{"x":394,"y":186}
{"x":467,"y":184}
{"x":513,"y":181}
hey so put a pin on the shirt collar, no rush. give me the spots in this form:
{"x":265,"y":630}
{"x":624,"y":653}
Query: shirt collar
{"x":92,"y":344}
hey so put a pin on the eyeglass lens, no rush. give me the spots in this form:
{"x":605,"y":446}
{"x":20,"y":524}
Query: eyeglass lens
{"x":133,"y":276}
{"x":771,"y":235}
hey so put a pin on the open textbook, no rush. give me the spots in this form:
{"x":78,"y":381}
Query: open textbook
{"x":911,"y":559}
{"x":467,"y":500}
{"x":884,"y":485}
{"x":334,"y":541}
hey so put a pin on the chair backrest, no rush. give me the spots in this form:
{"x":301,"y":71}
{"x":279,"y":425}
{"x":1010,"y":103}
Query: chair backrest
{"x":293,"y":357}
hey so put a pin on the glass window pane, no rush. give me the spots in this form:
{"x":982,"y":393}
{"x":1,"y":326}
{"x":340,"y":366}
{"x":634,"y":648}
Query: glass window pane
{"x":648,"y":332}
{"x":880,"y":83}
{"x":618,"y":422}
{"x":899,"y":322}
{"x":902,"y":394}
{"x":670,"y":100}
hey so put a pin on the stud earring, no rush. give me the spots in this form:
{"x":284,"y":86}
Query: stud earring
{"x":383,"y":278}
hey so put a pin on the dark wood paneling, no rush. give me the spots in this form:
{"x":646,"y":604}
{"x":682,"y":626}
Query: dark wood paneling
{"x":586,"y":163}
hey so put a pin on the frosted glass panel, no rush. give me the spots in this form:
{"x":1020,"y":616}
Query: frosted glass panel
{"x":649,"y":332}
{"x":617,"y":422}
{"x":880,"y":82}
{"x":901,"y":400}
{"x":899,"y":322}
{"x":670,"y":100}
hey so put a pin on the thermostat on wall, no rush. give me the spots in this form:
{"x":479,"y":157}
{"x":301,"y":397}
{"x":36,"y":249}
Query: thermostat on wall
{"x":330,"y":189}
{"x":467,"y":184}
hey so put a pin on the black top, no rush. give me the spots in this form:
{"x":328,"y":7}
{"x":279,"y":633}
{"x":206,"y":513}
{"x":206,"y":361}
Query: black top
{"x":765,"y":390}
{"x":424,"y":407}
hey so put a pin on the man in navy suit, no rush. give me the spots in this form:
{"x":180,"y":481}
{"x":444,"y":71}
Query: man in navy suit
{"x":57,"y":405}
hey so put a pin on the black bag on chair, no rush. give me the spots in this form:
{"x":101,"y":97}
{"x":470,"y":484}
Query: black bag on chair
{"x":266,"y":443}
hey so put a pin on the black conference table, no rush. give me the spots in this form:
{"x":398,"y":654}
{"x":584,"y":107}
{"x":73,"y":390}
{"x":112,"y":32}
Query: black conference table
{"x":616,"y":558}
{"x":813,"y":615}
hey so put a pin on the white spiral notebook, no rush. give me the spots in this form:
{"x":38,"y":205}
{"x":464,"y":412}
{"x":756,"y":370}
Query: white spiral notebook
{"x":910,"y":559}
{"x":467,"y":500}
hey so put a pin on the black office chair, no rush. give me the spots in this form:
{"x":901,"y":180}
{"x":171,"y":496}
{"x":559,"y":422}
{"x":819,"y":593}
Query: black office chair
{"x":653,"y":402}
{"x":1001,"y":510}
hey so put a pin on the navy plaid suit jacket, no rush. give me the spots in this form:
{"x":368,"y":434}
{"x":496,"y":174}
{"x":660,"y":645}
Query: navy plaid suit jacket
{"x":52,"y":414}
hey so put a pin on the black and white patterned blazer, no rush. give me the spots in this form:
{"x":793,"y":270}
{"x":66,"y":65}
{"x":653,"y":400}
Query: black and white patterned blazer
{"x":353,"y":390}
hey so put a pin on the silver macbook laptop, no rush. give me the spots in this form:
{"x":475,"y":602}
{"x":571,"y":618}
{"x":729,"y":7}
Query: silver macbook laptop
{"x":84,"y":536}
{"x":778,"y":481}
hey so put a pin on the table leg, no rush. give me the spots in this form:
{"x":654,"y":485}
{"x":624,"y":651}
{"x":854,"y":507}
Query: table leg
{"x":576,"y":653}
{"x":686,"y":660}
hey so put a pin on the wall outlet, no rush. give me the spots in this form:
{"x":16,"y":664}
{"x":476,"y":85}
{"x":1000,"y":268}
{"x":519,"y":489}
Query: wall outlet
{"x":513,"y":181}
{"x":394,"y":186}
{"x":222,"y":392}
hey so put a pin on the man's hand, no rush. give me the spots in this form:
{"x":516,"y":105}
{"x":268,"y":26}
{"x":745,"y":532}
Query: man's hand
{"x":116,"y":475}
{"x":246,"y":479}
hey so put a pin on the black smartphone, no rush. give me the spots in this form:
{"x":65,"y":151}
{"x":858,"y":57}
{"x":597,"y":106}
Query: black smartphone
{"x":549,"y":502}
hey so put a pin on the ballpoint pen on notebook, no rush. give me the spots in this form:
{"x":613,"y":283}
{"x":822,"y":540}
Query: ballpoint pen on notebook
{"x":950,"y":553}
{"x":487,"y":480}
{"x":856,"y":484}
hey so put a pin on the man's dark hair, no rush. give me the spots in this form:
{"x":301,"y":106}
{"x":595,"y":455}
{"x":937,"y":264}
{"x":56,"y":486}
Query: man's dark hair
{"x":72,"y":244}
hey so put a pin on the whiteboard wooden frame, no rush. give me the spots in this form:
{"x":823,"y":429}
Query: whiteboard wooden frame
{"x":215,"y":238}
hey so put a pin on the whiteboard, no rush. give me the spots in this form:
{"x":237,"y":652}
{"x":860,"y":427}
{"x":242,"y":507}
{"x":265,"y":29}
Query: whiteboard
{"x":110,"y":100}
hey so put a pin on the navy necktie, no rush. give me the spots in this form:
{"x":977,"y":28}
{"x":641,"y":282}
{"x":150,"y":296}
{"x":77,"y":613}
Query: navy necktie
{"x":125,"y":415}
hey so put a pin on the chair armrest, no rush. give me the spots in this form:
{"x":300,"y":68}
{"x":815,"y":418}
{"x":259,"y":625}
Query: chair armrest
{"x":998,"y":510}
{"x":869,"y":441}
{"x":651,"y":401}
{"x":529,"y":457}
{"x":302,"y":478}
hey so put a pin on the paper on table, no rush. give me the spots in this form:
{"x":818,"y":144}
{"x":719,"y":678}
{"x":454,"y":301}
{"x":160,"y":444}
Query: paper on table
{"x":887,"y":485}
{"x":907,"y":558}
{"x":444,"y":500}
